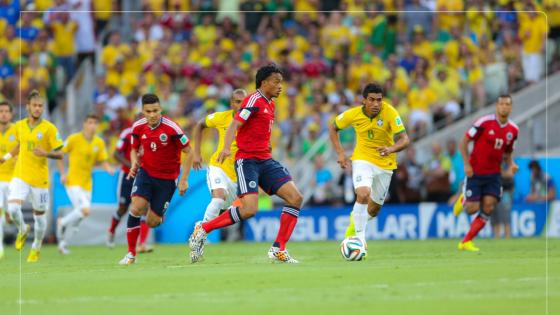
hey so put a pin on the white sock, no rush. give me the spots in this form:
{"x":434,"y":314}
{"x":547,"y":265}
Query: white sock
{"x":40,"y":228}
{"x":14,"y":209}
{"x":360,"y":216}
{"x":213,"y":209}
{"x":71,"y":222}
{"x":1,"y":230}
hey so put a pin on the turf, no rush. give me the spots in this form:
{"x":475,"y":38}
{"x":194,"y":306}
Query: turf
{"x":399,"y":277}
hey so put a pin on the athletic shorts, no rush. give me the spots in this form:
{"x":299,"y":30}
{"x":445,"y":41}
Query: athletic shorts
{"x":158,"y":192}
{"x":124,"y":189}
{"x":478,"y":186}
{"x":20,"y":190}
{"x":216,"y":178}
{"x":252,"y":173}
{"x":4,"y":194}
{"x":79,"y":197}
{"x":366,"y":174}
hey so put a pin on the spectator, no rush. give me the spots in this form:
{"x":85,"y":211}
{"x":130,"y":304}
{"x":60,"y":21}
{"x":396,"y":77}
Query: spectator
{"x":436,"y":174}
{"x":84,"y":37}
{"x":457,"y":172}
{"x":543,"y":187}
{"x":114,"y":101}
{"x":533,"y":32}
{"x":420,"y":100}
{"x":501,"y":217}
{"x":447,"y":91}
{"x":64,"y":30}
{"x":323,"y":183}
{"x":415,"y":20}
{"x":409,"y":178}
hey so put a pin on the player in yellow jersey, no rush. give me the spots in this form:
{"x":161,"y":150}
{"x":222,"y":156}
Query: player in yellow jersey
{"x":38,"y":140}
{"x":376,"y":123}
{"x":221,"y":177}
{"x":7,"y":144}
{"x":84,"y":149}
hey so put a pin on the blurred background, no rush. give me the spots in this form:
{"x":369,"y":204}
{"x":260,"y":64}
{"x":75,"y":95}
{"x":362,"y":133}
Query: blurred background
{"x":440,"y":70}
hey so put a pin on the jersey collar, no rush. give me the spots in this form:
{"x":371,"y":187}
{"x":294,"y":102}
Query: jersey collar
{"x":371,"y":118}
{"x":267,"y":100}
{"x":499,"y":123}
{"x":159,"y":123}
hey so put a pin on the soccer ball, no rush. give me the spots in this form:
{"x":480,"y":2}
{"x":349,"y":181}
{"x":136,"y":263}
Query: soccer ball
{"x":352,"y":249}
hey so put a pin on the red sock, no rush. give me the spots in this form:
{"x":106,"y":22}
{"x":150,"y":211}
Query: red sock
{"x":477,"y":225}
{"x":144,"y":232}
{"x":114,"y":223}
{"x":228,"y":217}
{"x":132,"y":237}
{"x":288,"y":221}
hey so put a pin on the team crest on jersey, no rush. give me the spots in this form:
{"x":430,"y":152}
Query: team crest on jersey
{"x":12,"y":138}
{"x":163,"y":137}
{"x":95,"y":149}
{"x":252,"y":184}
{"x":509,"y":136}
{"x":380,"y":122}
{"x":39,"y":135}
{"x":134,"y":189}
{"x":469,"y":193}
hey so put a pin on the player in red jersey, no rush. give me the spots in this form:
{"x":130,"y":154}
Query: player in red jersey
{"x":494,"y":138}
{"x":155,"y":172}
{"x":124,"y":188}
{"x":255,"y":167}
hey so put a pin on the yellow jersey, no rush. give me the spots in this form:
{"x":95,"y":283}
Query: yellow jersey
{"x":7,"y":144}
{"x":373,"y":133}
{"x":32,"y":169}
{"x":221,"y":121}
{"x":83,"y":155}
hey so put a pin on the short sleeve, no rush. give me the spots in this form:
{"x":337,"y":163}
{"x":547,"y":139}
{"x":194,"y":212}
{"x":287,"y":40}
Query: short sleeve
{"x":211,"y":120}
{"x":248,"y":107}
{"x":55,"y":140}
{"x":68,"y":144}
{"x":396,"y":124}
{"x":135,"y":139}
{"x":343,"y":120}
{"x":102,"y":153}
{"x":476,"y":129}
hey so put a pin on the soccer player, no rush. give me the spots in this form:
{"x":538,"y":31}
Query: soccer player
{"x":84,"y":150}
{"x":7,"y":144}
{"x":377,"y":124}
{"x":156,"y":171}
{"x":255,"y":167}
{"x":221,"y":177}
{"x":38,"y":140}
{"x":494,"y":138}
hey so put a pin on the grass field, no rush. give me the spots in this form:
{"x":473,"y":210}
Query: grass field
{"x":399,"y":277}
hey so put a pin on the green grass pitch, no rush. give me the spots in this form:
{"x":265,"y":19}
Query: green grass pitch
{"x":399,"y":277}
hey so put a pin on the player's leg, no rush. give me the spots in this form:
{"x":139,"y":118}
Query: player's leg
{"x":362,"y":178}
{"x":19,"y":190}
{"x":4,"y":191}
{"x":40,"y":204}
{"x":68,"y":225}
{"x":123,"y":195}
{"x":144,"y":233}
{"x":217,"y":182}
{"x":141,"y":196}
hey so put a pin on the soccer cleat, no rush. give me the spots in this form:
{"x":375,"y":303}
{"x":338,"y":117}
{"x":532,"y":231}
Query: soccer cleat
{"x":196,"y":242}
{"x":110,"y":240}
{"x":62,"y":249}
{"x":128,"y":259}
{"x":33,"y":256}
{"x":458,"y":205}
{"x":143,"y":249}
{"x":22,"y":237}
{"x":468,"y":246}
{"x":351,"y":229}
{"x":275,"y":254}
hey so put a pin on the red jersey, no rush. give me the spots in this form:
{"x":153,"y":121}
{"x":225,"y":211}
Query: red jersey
{"x":123,"y":146}
{"x":491,"y":141}
{"x":253,"y":137}
{"x":161,"y":145}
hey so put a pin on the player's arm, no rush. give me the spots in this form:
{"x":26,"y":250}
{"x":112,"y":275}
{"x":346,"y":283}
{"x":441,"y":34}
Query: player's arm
{"x":402,"y":143}
{"x":464,"y":149}
{"x":119,"y":156}
{"x":186,"y":165}
{"x":197,"y":135}
{"x":228,"y":140}
{"x":10,"y":155}
{"x":133,"y":163}
{"x":335,"y":140}
{"x":55,"y":154}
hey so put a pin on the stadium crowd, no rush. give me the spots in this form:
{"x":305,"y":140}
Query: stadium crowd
{"x":434,"y":67}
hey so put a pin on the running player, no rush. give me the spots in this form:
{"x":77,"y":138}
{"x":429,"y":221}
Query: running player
{"x":7,"y":144}
{"x":255,"y":167}
{"x":494,"y":138}
{"x":376,"y":123}
{"x":156,"y":171}
{"x":221,"y":177}
{"x":84,"y":150}
{"x":38,"y":140}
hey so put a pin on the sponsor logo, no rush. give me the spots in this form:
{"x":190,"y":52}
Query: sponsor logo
{"x":252,"y":184}
{"x":144,"y":136}
{"x":184,"y":139}
{"x":163,"y":137}
{"x":491,"y":132}
{"x":398,"y":121}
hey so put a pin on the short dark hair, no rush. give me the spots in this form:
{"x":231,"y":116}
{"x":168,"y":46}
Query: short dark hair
{"x":92,"y":116}
{"x":264,"y":72}
{"x":33,"y":94}
{"x":6,"y":103}
{"x":149,"y":98}
{"x":506,"y":96}
{"x":534,"y":164}
{"x":372,"y":88}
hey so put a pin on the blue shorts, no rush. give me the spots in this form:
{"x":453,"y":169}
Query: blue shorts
{"x":125,"y":189}
{"x":158,"y":192}
{"x":478,"y":186}
{"x":252,"y":173}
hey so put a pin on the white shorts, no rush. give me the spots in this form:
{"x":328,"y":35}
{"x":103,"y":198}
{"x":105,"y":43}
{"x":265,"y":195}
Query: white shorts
{"x":79,"y":197}
{"x":20,"y":190}
{"x":217,"y":178}
{"x":4,"y":194}
{"x":365,"y":174}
